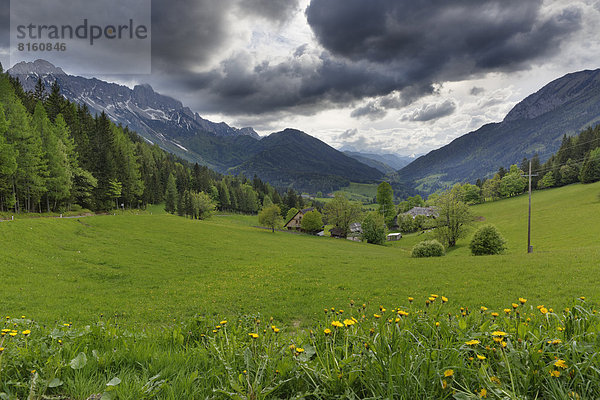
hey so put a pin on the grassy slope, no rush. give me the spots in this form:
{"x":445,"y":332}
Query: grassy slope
{"x":151,"y":268}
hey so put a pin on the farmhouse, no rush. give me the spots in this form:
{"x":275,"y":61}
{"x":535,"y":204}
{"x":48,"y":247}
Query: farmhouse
{"x":429,"y":212}
{"x":296,"y":222}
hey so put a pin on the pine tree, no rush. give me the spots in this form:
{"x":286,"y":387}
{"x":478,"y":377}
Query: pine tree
{"x":55,"y":103}
{"x":29,"y":179}
{"x":171,"y":195}
{"x":58,"y":180}
{"x":8,"y":165}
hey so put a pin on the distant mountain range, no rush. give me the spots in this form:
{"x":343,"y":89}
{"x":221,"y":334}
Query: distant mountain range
{"x":289,"y":158}
{"x":386,"y":163}
{"x":534,"y":126}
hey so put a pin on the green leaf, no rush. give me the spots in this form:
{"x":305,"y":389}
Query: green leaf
{"x":79,"y":362}
{"x":114,"y":382}
{"x":55,"y":383}
{"x":462,"y":324}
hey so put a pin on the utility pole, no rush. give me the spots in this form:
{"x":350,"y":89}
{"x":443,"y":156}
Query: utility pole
{"x":529,"y":247}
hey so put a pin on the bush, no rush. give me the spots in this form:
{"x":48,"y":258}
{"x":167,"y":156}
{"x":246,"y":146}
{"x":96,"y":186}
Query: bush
{"x":374,"y":229}
{"x":487,"y":240}
{"x":428,"y":248}
{"x":312,"y":222}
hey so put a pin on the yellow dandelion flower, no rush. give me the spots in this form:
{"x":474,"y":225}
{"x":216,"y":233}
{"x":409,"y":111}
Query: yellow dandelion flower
{"x":410,"y":300}
{"x":555,"y":373}
{"x":444,"y":299}
{"x":561,"y":364}
{"x":402,"y":313}
{"x":495,"y":314}
{"x":472,"y":342}
{"x":337,"y":324}
{"x":514,"y":305}
{"x":276,"y":330}
{"x":223,"y":322}
{"x":349,"y":322}
{"x":377,"y":315}
{"x":448,"y":373}
{"x":253,"y":335}
{"x":1,"y":349}
{"x":522,"y":300}
{"x":483,"y":308}
{"x":507,"y":311}
{"x":13,"y":334}
{"x":499,"y":333}
{"x":26,"y":332}
{"x":327,"y":331}
{"x":480,"y":357}
{"x":543,"y":310}
{"x":556,"y":341}
{"x":483,"y":393}
{"x":495,"y":379}
{"x":437,"y":324}
{"x":503,"y":344}
{"x":432,"y":299}
{"x":299,"y":350}
{"x":444,"y":384}
{"x":582,"y":298}
{"x":435,"y":296}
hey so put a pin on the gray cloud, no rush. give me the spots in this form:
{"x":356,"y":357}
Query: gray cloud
{"x":476,"y":91}
{"x":377,"y":48}
{"x":430,"y":112}
{"x":348,"y":134}
{"x":275,"y":10}
{"x":370,"y":110}
{"x":188,"y":33}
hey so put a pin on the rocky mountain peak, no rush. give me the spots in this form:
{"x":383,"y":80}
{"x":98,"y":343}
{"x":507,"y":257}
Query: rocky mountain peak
{"x":37,"y":67}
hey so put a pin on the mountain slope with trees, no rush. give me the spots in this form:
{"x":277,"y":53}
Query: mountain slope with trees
{"x":536,"y":125}
{"x":307,"y":165}
{"x":55,"y":156}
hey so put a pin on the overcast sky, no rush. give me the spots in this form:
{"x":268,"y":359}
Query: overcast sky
{"x":380,"y":75}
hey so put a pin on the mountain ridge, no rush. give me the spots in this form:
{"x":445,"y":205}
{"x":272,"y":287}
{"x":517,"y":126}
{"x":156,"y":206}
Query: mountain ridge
{"x":308,"y":163}
{"x":536,"y":125}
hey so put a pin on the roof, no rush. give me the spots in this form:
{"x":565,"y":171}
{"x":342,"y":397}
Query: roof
{"x":426,"y":211}
{"x":395,"y":234}
{"x":355,"y":227}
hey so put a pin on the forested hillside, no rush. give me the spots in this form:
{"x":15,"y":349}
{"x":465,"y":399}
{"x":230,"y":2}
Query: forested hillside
{"x":56,"y":156}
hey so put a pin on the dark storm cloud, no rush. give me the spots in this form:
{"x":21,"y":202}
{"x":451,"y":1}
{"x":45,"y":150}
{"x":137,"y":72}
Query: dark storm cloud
{"x":304,"y":84}
{"x":275,"y":10}
{"x":431,"y":112}
{"x":188,"y":33}
{"x":433,"y":36}
{"x":4,"y":30}
{"x":380,"y":47}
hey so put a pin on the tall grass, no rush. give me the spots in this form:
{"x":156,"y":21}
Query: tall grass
{"x":425,"y":348}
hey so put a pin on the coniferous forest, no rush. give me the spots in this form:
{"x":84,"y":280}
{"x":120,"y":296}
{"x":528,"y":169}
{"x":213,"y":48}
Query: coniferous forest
{"x":56,"y":156}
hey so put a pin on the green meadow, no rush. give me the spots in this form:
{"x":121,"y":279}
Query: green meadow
{"x":155,"y":268}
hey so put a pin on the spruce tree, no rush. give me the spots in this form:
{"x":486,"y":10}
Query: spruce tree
{"x":171,"y":195}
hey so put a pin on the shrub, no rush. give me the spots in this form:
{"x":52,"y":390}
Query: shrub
{"x":312,"y":222}
{"x":428,"y":248}
{"x":374,"y":229}
{"x":487,"y":240}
